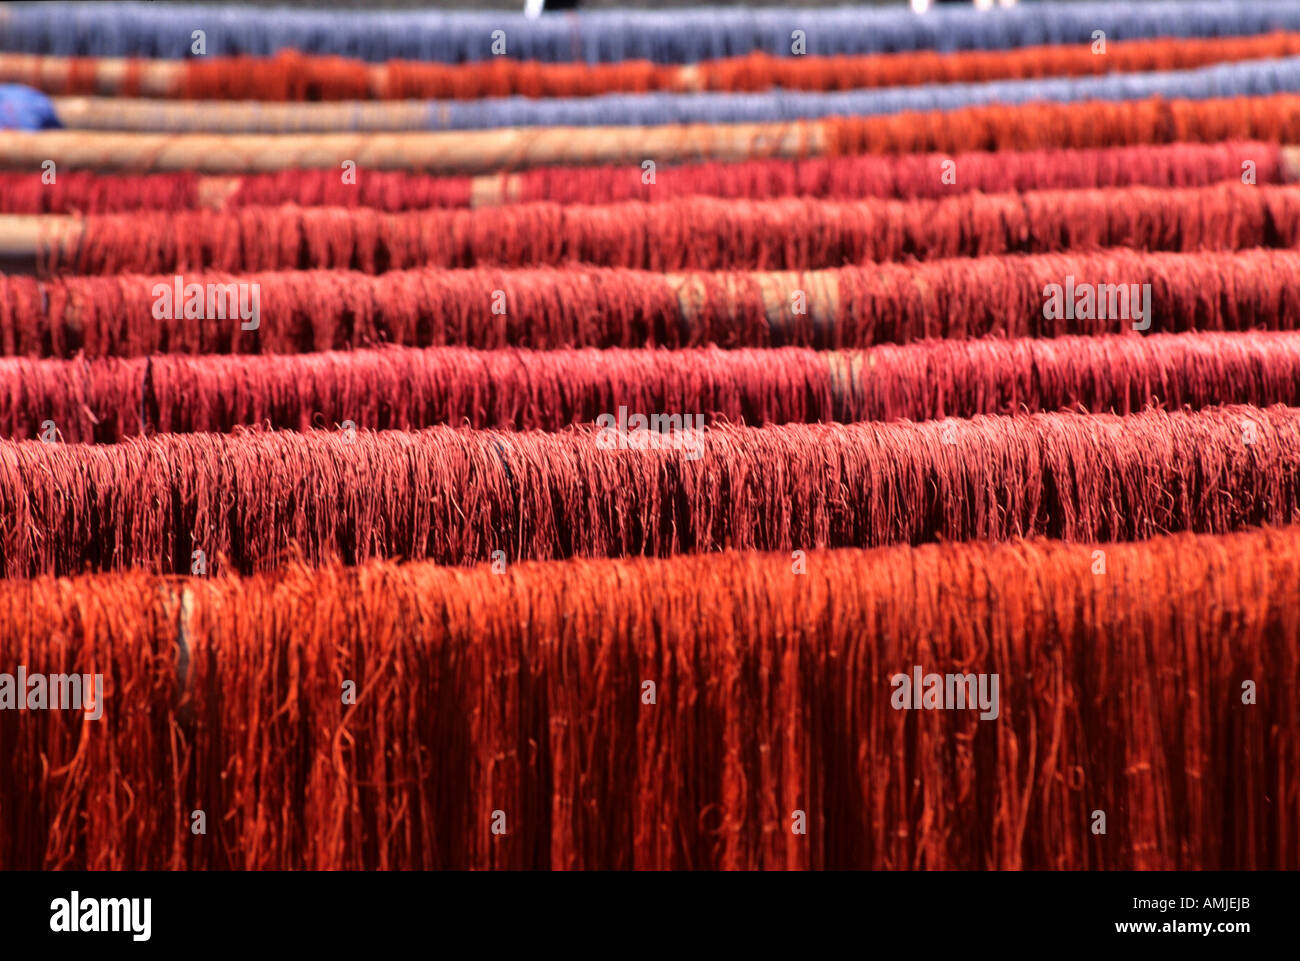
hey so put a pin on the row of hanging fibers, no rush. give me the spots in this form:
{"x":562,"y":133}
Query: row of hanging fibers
{"x":621,"y":496}
{"x":250,"y":500}
{"x":906,"y":177}
{"x":1101,"y":292}
{"x":671,"y":36}
{"x":289,"y":76}
{"x":523,"y":698}
{"x":696,"y":233}
{"x":1034,"y":126}
{"x":110,"y":399}
{"x":1259,"y":78}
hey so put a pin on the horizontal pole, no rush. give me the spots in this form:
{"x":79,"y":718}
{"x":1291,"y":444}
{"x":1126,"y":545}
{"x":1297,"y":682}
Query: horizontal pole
{"x":112,"y":75}
{"x":460,"y":152}
{"x":240,"y":116}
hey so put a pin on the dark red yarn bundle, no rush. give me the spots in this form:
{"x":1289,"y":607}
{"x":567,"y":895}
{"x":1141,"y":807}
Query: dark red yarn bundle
{"x":521,"y":693}
{"x":907,"y":177}
{"x":579,"y":306}
{"x":251,"y":500}
{"x":699,"y":233}
{"x":110,"y":399}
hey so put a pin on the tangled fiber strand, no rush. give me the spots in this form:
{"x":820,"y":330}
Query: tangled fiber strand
{"x":290,"y":76}
{"x":522,"y":693}
{"x":837,"y":178}
{"x":698,"y":233}
{"x":108,"y":400}
{"x":456,"y":496}
{"x":547,"y":308}
{"x":1038,"y":126}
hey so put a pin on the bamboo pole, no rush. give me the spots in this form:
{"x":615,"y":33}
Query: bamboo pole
{"x":208,"y":116}
{"x":25,"y":238}
{"x":27,"y":241}
{"x":30,"y":235}
{"x":1291,"y":164}
{"x":460,"y":152}
{"x":65,"y":75}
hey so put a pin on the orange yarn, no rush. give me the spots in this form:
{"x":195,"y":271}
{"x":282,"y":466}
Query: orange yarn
{"x":523,"y":692}
{"x":294,"y":76}
{"x":1088,"y":124}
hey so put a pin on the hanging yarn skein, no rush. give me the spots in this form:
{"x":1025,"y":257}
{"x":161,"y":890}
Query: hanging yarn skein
{"x":667,"y":36}
{"x":577,"y":306}
{"x":254,"y":499}
{"x":767,"y":667}
{"x":688,"y":234}
{"x":109,"y":399}
{"x":1260,"y":78}
{"x":906,"y":177}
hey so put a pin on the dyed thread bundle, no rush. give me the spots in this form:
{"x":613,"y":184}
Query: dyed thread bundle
{"x":1040,"y":126}
{"x":1255,"y":79}
{"x":292,"y":77}
{"x":668,"y":36}
{"x":109,"y":400}
{"x":249,"y":500}
{"x":398,"y":388}
{"x":548,"y":308}
{"x":482,"y":692}
{"x":694,"y":234}
{"x":514,"y":687}
{"x":996,"y":127}
{"x":906,"y":177}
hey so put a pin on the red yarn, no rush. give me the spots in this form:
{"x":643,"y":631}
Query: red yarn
{"x":905,"y":177}
{"x":292,"y":76}
{"x":454,"y":496}
{"x":549,"y":308}
{"x":522,"y":693}
{"x":288,"y":76}
{"x":699,"y":233}
{"x":108,"y":399}
{"x":910,"y":176}
{"x":76,"y":191}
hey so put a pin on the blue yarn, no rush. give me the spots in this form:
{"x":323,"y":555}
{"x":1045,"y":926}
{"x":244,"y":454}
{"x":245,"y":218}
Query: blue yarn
{"x":22,"y":108}
{"x":669,"y":36}
{"x":1255,"y":78}
{"x":1252,"y":78}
